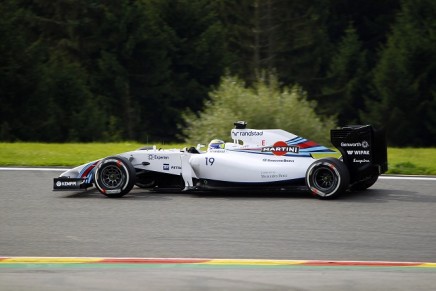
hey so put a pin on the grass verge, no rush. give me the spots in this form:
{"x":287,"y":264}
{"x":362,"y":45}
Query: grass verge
{"x":412,"y":161}
{"x":408,"y":161}
{"x":67,"y":154}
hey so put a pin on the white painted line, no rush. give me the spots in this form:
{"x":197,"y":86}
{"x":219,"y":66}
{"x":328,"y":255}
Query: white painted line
{"x":32,"y":169}
{"x":416,"y":178}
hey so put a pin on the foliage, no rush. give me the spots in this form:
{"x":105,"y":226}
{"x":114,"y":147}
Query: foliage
{"x":347,"y":79}
{"x":85,"y":67}
{"x":404,"y":78}
{"x":262,"y":105}
{"x":89,"y":70}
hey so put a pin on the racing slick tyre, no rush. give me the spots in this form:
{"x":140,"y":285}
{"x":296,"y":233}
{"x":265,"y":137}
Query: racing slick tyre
{"x":114,"y":177}
{"x":327,"y":178}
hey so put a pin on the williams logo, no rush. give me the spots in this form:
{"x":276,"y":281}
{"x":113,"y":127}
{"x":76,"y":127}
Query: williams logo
{"x":280,"y":148}
{"x":358,"y":152}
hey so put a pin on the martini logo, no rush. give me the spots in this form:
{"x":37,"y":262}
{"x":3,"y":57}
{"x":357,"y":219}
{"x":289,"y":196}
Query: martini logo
{"x":280,"y":148}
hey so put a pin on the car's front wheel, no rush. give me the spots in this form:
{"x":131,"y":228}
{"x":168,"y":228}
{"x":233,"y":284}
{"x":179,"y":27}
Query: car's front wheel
{"x":327,"y":178}
{"x":114,"y":176}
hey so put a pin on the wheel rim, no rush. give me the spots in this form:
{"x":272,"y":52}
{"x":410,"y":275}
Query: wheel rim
{"x":324,"y":179}
{"x":111,"y":177}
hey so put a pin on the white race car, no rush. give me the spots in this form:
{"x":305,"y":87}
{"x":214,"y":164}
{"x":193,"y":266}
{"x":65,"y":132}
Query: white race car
{"x":256,"y":160}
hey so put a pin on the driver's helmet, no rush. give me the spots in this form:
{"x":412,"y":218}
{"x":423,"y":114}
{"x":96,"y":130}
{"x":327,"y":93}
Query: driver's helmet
{"x":216,"y":144}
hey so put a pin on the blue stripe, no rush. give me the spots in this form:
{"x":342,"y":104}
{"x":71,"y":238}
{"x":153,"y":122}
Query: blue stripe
{"x":317,"y":149}
{"x":85,"y":168}
{"x":296,"y":140}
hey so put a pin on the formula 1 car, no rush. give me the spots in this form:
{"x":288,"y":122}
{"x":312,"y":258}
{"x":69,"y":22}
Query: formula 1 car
{"x":265,"y":159}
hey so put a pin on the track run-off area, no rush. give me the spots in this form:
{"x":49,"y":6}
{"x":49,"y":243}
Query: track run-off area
{"x":380,"y":239}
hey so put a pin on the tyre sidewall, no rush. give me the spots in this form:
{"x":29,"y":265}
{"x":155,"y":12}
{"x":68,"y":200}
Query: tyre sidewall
{"x":337,"y":169}
{"x":126,"y":170}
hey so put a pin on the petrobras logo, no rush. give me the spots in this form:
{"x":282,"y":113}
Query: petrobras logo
{"x":166,"y":167}
{"x":281,"y":148}
{"x":247,"y":133}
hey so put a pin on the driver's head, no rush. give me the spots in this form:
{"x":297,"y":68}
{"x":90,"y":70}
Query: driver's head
{"x":216,"y":144}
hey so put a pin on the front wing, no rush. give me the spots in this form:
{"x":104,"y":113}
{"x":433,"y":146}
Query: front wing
{"x":68,"y":184}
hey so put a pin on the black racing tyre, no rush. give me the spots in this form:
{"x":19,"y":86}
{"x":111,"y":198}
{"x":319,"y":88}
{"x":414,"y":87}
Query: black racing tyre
{"x":114,"y":176}
{"x":363,"y":185}
{"x":327,"y":178}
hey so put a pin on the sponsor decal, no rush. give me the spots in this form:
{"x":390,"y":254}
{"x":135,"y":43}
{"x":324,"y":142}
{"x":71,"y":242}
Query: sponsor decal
{"x":157,"y":157}
{"x":216,"y":150}
{"x":115,"y":191}
{"x":176,"y":168}
{"x":247,"y":133}
{"x":348,"y":144}
{"x":360,"y":161}
{"x":358,"y":152}
{"x":66,"y":183}
{"x":272,"y":175}
{"x":166,"y":167}
{"x":281,"y":148}
{"x":364,"y":144}
{"x":281,"y":160}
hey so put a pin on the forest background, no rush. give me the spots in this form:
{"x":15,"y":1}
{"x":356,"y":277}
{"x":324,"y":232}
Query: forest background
{"x":112,"y":70}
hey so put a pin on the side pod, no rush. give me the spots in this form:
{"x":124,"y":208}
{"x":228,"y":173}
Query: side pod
{"x":363,"y":150}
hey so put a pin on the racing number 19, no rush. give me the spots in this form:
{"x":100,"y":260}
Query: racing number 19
{"x":209,"y":161}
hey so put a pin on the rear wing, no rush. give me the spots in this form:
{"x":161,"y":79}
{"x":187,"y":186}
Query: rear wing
{"x":363,"y":150}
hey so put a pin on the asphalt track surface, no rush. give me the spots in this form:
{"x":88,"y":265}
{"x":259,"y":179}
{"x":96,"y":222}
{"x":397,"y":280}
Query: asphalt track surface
{"x":395,"y":221}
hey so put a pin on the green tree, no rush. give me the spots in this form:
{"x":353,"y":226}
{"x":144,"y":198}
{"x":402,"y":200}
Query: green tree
{"x":404,"y":78}
{"x":264,"y":105}
{"x":284,"y":37}
{"x":19,"y":58}
{"x":347,"y":80}
{"x":62,"y":108}
{"x":198,"y":58}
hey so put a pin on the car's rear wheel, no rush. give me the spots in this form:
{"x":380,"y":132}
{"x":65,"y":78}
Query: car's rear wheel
{"x":327,"y":178}
{"x":114,"y":176}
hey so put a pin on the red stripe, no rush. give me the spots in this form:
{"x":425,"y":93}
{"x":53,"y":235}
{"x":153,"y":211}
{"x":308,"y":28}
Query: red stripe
{"x":151,"y":261}
{"x":307,"y":144}
{"x":89,"y":170}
